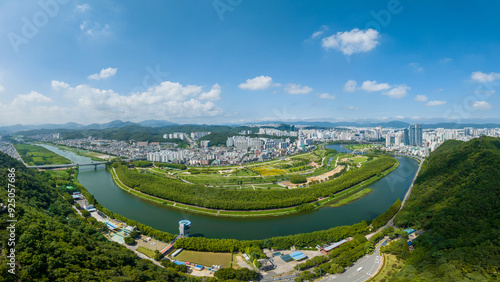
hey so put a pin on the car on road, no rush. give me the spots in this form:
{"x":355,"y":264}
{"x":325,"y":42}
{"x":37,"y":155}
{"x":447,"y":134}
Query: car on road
{"x":359,"y":269}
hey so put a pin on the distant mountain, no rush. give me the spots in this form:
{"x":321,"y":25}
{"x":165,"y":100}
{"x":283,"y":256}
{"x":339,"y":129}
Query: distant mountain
{"x":155,"y":123}
{"x":111,"y":124}
{"x":77,"y":126}
{"x":390,"y":124}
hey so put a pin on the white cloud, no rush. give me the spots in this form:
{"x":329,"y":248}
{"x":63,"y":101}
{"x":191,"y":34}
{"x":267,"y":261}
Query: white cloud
{"x":2,"y":88}
{"x":371,"y":86}
{"x":398,"y":91}
{"x":213,"y":94}
{"x":32,"y":97}
{"x":105,"y":73}
{"x":167,"y":100}
{"x":482,"y":105}
{"x":416,"y":67}
{"x":319,"y":32}
{"x":483,"y":77}
{"x":354,"y":41}
{"x":326,"y":96}
{"x":435,"y":103}
{"x":57,"y":85}
{"x":257,"y":83}
{"x":350,"y":86}
{"x":82,"y":8}
{"x":352,"y":108}
{"x":292,"y":88}
{"x":94,"y":30}
{"x":421,"y":98}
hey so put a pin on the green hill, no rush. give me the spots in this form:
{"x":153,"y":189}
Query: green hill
{"x":52,"y":243}
{"x":456,"y":200}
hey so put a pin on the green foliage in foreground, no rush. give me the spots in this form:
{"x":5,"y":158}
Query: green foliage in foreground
{"x":50,"y":247}
{"x":223,"y":198}
{"x":455,"y":200}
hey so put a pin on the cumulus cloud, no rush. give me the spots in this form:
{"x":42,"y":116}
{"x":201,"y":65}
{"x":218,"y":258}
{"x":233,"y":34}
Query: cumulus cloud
{"x":2,"y":88}
{"x":213,"y":94}
{"x":421,"y":98}
{"x":398,"y":91}
{"x":481,"y":105}
{"x":32,"y":97}
{"x":105,"y":73}
{"x":58,"y":85}
{"x":258,"y":83}
{"x":371,"y":86}
{"x":292,"y":88}
{"x":435,"y":103}
{"x":350,"y":86}
{"x":354,"y":41}
{"x":326,"y":96}
{"x":483,"y":77}
{"x":352,"y":108}
{"x":167,"y":100}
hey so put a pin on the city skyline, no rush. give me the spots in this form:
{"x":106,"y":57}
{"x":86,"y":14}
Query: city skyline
{"x":216,"y":63}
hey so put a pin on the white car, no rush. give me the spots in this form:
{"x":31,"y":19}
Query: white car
{"x":359,"y":269}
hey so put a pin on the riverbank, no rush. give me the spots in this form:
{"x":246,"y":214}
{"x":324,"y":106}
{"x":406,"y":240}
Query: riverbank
{"x":95,"y":156}
{"x":352,"y":198}
{"x":254,"y":213}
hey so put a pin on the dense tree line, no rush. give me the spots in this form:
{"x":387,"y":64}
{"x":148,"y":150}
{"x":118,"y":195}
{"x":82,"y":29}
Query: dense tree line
{"x":223,"y":198}
{"x":240,"y":274}
{"x":302,"y":240}
{"x":54,"y":244}
{"x":297,"y":178}
{"x":455,"y":200}
{"x":382,"y":219}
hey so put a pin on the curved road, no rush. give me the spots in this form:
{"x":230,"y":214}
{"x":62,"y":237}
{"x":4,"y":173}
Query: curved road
{"x":369,"y":265}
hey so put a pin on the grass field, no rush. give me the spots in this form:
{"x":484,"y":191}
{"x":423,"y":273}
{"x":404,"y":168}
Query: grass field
{"x":147,"y":252}
{"x":352,"y":198}
{"x":205,"y":258}
{"x":391,"y":265}
{"x":269,"y":171}
{"x":37,"y":155}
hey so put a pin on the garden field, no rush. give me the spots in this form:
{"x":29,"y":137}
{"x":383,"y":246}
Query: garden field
{"x":205,"y":258}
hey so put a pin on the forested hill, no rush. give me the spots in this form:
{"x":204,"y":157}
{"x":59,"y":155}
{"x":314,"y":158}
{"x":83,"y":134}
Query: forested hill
{"x":456,"y":200}
{"x":54,"y":244}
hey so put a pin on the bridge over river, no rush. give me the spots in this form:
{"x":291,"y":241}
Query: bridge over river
{"x":95,"y":164}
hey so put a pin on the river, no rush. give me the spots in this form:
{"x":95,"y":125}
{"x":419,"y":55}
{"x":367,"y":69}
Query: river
{"x":384,"y":194}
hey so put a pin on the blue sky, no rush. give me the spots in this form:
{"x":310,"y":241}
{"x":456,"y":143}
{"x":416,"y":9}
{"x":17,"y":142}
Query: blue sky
{"x":224,"y":61}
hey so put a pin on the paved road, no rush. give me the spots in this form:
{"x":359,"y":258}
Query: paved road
{"x":282,"y":278}
{"x":369,"y":264}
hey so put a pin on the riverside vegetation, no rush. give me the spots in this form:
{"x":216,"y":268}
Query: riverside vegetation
{"x":229,"y":199}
